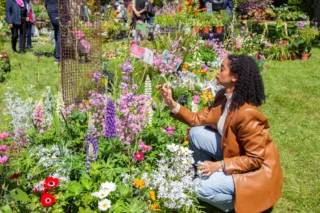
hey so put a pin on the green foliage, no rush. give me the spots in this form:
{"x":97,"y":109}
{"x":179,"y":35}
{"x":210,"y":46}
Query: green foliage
{"x":308,"y":34}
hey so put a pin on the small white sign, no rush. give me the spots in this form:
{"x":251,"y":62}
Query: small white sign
{"x":209,"y":7}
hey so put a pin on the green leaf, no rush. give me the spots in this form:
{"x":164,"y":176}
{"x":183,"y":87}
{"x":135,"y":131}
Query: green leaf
{"x":74,"y":188}
{"x":86,"y":183}
{"x":6,"y":209}
{"x":19,"y":195}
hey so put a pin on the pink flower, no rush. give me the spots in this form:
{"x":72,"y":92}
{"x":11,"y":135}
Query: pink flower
{"x":170,"y":130}
{"x":3,"y":159}
{"x":41,"y":131}
{"x":196,"y":99}
{"x":138,"y":156}
{"x":3,"y":148}
{"x":4,"y":135}
{"x":144,"y":147}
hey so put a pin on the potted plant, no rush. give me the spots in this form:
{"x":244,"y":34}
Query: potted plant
{"x":219,"y":26}
{"x":308,"y":35}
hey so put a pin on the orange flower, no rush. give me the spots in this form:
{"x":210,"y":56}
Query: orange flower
{"x":185,"y":66}
{"x":152,"y":195}
{"x":195,"y":11}
{"x":180,"y":8}
{"x":139,"y":183}
{"x":155,"y":207}
{"x":198,"y":5}
{"x":204,"y":9}
{"x":203,"y":71}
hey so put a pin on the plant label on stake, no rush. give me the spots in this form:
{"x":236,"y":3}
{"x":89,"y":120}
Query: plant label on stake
{"x":209,"y":7}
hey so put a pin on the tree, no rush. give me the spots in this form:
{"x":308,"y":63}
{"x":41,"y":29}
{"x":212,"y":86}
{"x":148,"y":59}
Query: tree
{"x":316,"y":10}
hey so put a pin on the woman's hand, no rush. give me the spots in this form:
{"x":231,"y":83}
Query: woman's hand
{"x":167,"y":95}
{"x":209,"y":167}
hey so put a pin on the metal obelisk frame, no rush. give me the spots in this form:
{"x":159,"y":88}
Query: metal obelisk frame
{"x":80,"y":45}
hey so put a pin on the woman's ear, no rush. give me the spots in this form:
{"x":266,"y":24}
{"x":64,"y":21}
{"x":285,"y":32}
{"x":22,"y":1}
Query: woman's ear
{"x":234,"y":77}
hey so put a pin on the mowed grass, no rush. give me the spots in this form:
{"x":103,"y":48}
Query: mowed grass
{"x":19,"y":79}
{"x":293,"y":110}
{"x":292,"y":107}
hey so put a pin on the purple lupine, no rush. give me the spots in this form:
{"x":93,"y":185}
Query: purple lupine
{"x":92,"y":146}
{"x":96,"y":76}
{"x":110,"y":130}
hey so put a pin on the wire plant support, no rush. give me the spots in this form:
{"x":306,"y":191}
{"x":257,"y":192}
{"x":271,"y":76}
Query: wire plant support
{"x":80,"y":45}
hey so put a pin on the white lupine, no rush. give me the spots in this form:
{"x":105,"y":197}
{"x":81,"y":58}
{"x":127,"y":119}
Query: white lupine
{"x":59,"y":104}
{"x":148,"y":92}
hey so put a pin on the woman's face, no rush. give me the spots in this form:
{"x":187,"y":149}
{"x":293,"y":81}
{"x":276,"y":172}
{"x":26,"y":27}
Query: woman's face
{"x":224,"y":76}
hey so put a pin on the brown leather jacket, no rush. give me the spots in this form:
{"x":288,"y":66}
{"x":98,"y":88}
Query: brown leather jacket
{"x":250,"y":155}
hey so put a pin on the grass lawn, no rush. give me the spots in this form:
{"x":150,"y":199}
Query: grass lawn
{"x":293,"y":100}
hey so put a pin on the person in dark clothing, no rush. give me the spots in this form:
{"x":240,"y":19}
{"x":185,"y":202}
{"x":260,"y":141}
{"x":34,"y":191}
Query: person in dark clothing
{"x":139,"y":11}
{"x":16,"y":17}
{"x":150,"y":12}
{"x":53,"y":12}
{"x":228,"y":6}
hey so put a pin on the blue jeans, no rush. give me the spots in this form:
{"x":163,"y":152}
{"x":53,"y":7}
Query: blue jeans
{"x":218,"y":188}
{"x":29,"y":31}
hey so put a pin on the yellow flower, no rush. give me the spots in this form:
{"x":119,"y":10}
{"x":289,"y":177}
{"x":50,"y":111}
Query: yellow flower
{"x":139,"y":183}
{"x":86,"y":102}
{"x":152,"y":195}
{"x":155,"y":207}
{"x":6,"y":118}
{"x":186,"y":143}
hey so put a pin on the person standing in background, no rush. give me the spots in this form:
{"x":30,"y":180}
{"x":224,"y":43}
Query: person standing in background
{"x":53,"y":12}
{"x":228,"y":6}
{"x":150,"y":12}
{"x":30,"y":23}
{"x":16,"y":17}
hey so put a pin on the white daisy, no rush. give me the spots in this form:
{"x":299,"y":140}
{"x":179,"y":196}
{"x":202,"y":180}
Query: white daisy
{"x":101,"y":194}
{"x":108,"y":186}
{"x":104,"y":204}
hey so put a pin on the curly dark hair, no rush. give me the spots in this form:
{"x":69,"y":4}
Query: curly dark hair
{"x":249,"y":87}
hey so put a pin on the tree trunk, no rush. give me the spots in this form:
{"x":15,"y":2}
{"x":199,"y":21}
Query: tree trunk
{"x":316,"y":10}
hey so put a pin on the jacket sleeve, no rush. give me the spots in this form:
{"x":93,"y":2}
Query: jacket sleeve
{"x":8,"y":11}
{"x":251,"y":136}
{"x":196,"y":118}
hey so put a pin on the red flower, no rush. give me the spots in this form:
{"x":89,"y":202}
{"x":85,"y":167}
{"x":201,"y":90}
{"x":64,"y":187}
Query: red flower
{"x":89,"y":74}
{"x":238,"y":49}
{"x":251,"y":35}
{"x":47,"y":200}
{"x":15,"y":176}
{"x":43,"y":192}
{"x":51,"y":183}
{"x":259,"y":56}
{"x":188,"y":131}
{"x":187,"y":138}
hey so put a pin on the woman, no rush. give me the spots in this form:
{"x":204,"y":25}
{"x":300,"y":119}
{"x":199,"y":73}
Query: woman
{"x":29,"y":24}
{"x":240,"y":160}
{"x":16,"y":17}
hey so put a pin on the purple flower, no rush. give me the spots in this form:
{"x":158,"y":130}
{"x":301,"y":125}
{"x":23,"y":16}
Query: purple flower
{"x":3,"y":148}
{"x":144,"y":147}
{"x":3,"y":159}
{"x":92,"y":146}
{"x":96,"y":76}
{"x":110,"y":130}
{"x":169,"y":130}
